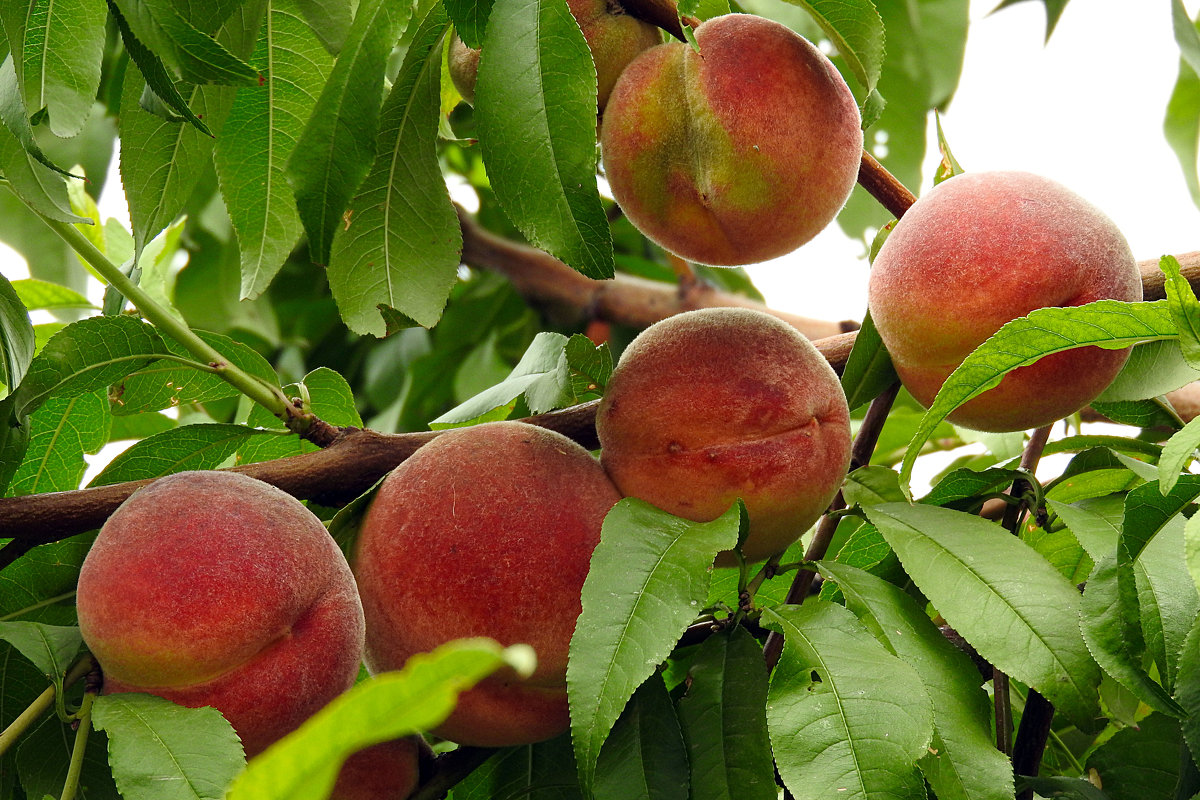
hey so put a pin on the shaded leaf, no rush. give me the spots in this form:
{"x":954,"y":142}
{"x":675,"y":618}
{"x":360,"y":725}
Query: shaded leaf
{"x":856,"y":30}
{"x":16,"y":335}
{"x":644,"y":755}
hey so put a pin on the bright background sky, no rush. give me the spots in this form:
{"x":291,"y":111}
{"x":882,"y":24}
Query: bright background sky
{"x":1085,"y":109}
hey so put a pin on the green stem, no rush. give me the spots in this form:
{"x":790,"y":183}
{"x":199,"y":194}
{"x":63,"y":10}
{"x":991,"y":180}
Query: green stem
{"x":17,"y":728}
{"x":71,"y":785}
{"x":268,"y":397}
{"x":1067,"y":754}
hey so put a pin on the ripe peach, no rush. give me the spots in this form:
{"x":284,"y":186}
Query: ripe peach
{"x":613,"y":37}
{"x":485,"y":531}
{"x":736,"y":154}
{"x":386,"y":771}
{"x":215,"y":589}
{"x":711,"y":405}
{"x":982,"y":249}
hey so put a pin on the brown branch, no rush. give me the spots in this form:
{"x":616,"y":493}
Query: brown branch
{"x":636,"y":302}
{"x":883,"y":186}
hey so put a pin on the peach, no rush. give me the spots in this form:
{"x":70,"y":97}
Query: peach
{"x":711,"y":405}
{"x":982,"y":249}
{"x":485,"y":531}
{"x":386,"y":771}
{"x":736,"y":154}
{"x":215,"y":589}
{"x":613,"y":37}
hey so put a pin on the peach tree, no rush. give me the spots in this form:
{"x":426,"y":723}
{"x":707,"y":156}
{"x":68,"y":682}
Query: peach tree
{"x":332,"y":257}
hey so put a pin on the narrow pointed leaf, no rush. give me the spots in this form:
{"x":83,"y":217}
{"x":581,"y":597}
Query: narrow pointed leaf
{"x":856,"y":30}
{"x":1167,"y":597}
{"x":204,"y":446}
{"x":963,"y":762}
{"x":337,"y":146}
{"x":61,"y":431}
{"x":1110,"y":324}
{"x":649,"y":575}
{"x":1179,"y":450}
{"x":470,"y":19}
{"x":540,"y":373}
{"x":400,"y":246}
{"x":16,"y":335}
{"x":723,"y":716}
{"x":535,"y":104}
{"x":1185,"y":309}
{"x":644,"y":755}
{"x":847,"y":718}
{"x":194,"y":54}
{"x":869,"y":368}
{"x":260,"y":135}
{"x":61,"y":56}
{"x":304,"y":764}
{"x":1004,"y":598}
{"x":15,"y":115}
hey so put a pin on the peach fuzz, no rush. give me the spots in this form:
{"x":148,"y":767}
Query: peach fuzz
{"x":215,"y":589}
{"x":711,"y":405}
{"x":736,"y":154}
{"x":982,"y":249}
{"x":485,"y":531}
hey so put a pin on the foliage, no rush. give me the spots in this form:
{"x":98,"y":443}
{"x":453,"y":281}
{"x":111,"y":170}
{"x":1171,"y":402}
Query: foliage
{"x":297,"y":270}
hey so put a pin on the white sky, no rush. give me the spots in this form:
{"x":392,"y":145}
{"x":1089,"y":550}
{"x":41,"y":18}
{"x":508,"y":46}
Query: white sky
{"x":1085,"y":109}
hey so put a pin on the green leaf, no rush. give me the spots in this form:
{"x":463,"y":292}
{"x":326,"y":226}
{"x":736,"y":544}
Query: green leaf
{"x":60,"y":432}
{"x":162,"y":161}
{"x":45,"y":575}
{"x":401,"y":244}
{"x":329,"y":19}
{"x":1179,"y":450}
{"x":869,"y":369}
{"x":194,"y":54}
{"x":703,"y":9}
{"x":1156,"y":413}
{"x":60,"y":59}
{"x":847,"y":718}
{"x":970,"y":487}
{"x":37,"y":295}
{"x":304,"y":764}
{"x":1187,"y":687}
{"x":648,"y":577}
{"x":85,"y":356}
{"x":963,"y":762}
{"x":724,"y":720}
{"x":1181,"y":127}
{"x":542,"y":771}
{"x":161,"y":750}
{"x":36,"y":185}
{"x":1061,"y":786}
{"x":15,"y":116}
{"x":644,"y":755}
{"x":337,"y":146}
{"x":44,"y":756}
{"x":1184,"y":308}
{"x":176,"y":450}
{"x":470,"y":19}
{"x":1167,"y":597}
{"x":541,"y":375}
{"x":16,"y":335}
{"x":14,"y":439}
{"x":1110,"y":324}
{"x":323,"y":392}
{"x":1054,"y":10}
{"x":535,"y":105}
{"x":51,"y":648}
{"x":1012,"y":606}
{"x":158,"y":81}
{"x":1139,"y":763}
{"x":168,"y":383}
{"x":856,"y":30}
{"x":259,"y":137}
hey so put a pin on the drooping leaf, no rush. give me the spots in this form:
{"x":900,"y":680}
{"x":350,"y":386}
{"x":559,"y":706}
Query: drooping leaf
{"x":305,"y":763}
{"x":260,"y":135}
{"x":51,"y":648}
{"x":869,"y":369}
{"x":16,"y":335}
{"x":1012,"y":606}
{"x":644,"y":755}
{"x":1167,"y":597}
{"x":60,"y":61}
{"x":963,"y":762}
{"x":37,"y":186}
{"x":856,"y":30}
{"x":723,"y":716}
{"x":1177,"y":452}
{"x":1110,"y":324}
{"x":400,"y":246}
{"x":847,"y":718}
{"x":470,"y":19}
{"x":1054,"y":10}
{"x":170,"y":30}
{"x":649,"y":575}
{"x":535,"y":105}
{"x":1184,"y":308}
{"x":158,"y":749}
{"x":336,"y":148}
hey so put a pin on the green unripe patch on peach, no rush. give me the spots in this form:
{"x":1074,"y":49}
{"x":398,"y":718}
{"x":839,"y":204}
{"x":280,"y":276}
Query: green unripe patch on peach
{"x":978,"y":251}
{"x":736,"y":154}
{"x":485,"y":531}
{"x":708,"y":406}
{"x":212,"y":588}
